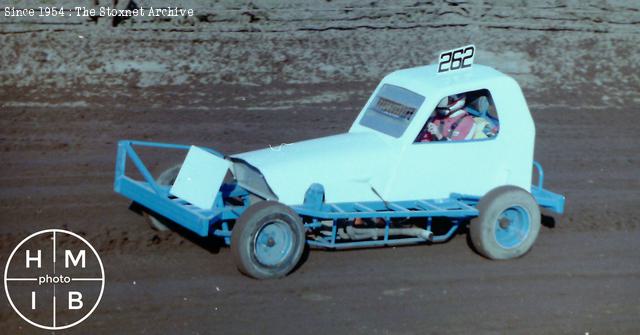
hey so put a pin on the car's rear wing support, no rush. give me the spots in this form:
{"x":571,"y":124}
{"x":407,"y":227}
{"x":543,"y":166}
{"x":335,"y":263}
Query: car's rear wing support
{"x":545,"y":198}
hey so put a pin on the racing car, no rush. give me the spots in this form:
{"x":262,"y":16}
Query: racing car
{"x":393,"y":178}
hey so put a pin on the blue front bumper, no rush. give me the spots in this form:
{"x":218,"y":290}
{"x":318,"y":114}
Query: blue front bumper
{"x":156,"y":197}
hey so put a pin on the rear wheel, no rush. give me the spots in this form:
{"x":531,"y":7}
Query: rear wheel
{"x":166,"y":178}
{"x":508,"y":224}
{"x":267,"y":240}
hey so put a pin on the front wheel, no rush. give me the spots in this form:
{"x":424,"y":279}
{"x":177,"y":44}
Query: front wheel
{"x":508,"y":224}
{"x":267,"y":240}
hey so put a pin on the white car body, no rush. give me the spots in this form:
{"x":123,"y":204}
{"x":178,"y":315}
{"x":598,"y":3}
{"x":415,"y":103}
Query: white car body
{"x":348,"y":165}
{"x":365,"y":164}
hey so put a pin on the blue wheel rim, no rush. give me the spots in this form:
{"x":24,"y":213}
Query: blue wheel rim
{"x":512,"y":227}
{"x":273,"y":243}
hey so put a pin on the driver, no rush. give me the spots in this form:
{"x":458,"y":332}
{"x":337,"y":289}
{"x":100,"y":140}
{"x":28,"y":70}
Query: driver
{"x":450,"y":122}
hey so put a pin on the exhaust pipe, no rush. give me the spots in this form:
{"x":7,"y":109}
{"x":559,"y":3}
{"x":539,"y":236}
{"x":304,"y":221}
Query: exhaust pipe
{"x":357,"y":234}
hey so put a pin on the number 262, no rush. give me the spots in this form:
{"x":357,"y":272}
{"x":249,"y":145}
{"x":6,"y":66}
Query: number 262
{"x":456,"y":59}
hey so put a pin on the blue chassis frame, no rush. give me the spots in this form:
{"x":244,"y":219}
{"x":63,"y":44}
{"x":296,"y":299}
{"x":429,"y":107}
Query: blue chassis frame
{"x":217,"y":221}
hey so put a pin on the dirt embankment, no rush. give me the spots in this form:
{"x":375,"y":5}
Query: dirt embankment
{"x":583,"y":53}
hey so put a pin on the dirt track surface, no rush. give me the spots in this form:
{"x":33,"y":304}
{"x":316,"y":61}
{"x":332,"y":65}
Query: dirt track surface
{"x":243,"y":78}
{"x":572,"y":283}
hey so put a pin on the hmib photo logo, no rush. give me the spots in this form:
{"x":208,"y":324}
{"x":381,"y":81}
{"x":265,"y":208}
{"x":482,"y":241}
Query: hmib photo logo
{"x":54,"y":279}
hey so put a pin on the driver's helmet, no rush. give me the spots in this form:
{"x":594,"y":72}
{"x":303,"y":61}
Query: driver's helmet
{"x":451,"y":104}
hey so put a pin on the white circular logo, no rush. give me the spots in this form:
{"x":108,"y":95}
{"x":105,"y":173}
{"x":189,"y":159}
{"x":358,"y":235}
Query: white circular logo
{"x":54,"y":279}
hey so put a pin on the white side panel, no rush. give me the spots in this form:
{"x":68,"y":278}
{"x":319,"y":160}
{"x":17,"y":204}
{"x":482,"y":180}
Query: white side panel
{"x":435,"y":170}
{"x":347,"y":165}
{"x":200,"y":178}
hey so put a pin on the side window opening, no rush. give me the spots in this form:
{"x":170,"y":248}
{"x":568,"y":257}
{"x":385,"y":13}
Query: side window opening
{"x":466,"y":116}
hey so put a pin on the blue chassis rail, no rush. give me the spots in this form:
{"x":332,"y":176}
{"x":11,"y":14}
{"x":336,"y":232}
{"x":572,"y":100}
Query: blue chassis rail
{"x":217,"y":220}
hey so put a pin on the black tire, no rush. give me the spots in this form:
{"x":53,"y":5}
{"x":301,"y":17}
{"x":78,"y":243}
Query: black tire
{"x":247,"y":247}
{"x":167,"y":177}
{"x":508,"y":224}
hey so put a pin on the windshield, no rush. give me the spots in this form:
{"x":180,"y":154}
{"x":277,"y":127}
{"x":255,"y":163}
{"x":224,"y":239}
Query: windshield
{"x":392,"y":110}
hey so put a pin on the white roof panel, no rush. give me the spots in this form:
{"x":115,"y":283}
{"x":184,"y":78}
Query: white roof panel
{"x":425,"y":80}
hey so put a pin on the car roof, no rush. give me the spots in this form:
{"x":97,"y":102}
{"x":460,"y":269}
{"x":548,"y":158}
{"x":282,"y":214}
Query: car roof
{"x":425,"y":80}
